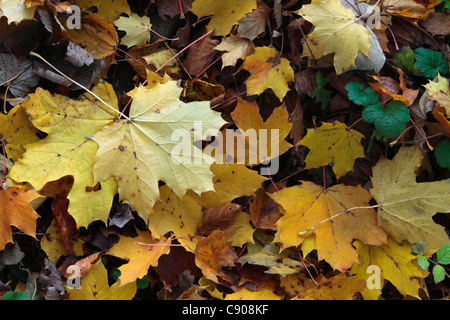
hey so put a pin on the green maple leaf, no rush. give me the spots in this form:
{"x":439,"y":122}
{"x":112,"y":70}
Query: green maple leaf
{"x":389,"y":120}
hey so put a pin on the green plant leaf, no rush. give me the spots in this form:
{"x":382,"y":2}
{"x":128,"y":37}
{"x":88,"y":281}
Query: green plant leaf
{"x":443,"y":254}
{"x":405,"y":60}
{"x":321,"y":94}
{"x":423,"y":263}
{"x":389,"y":120}
{"x":358,"y":95}
{"x":18,"y":295}
{"x":438,"y":273}
{"x":430,"y":62}
{"x":442,"y":152}
{"x":446,"y":3}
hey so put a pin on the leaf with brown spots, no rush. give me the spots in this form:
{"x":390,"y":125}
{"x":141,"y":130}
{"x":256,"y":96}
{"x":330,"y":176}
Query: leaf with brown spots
{"x":340,"y":287}
{"x":67,"y":150}
{"x":312,"y":209}
{"x":16,"y":210}
{"x":156,"y":143}
{"x":94,"y":286}
{"x":335,"y":144}
{"x":215,"y":252}
{"x":268,"y":71}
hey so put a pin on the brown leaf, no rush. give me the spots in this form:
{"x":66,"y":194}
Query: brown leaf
{"x":218,"y":218}
{"x":96,"y":36}
{"x":264,"y":212}
{"x":200,"y":55}
{"x":215,"y":252}
{"x":84,"y":265}
{"x":438,"y":24}
{"x":66,"y":223}
{"x":254,"y":23}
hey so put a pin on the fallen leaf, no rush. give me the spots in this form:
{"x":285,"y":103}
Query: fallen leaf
{"x":254,"y":23}
{"x":66,"y":150}
{"x":137,"y":29}
{"x":339,"y":287}
{"x":268,"y":71}
{"x":95,"y":287}
{"x":230,"y":182}
{"x":236,"y":48}
{"x":410,"y":8}
{"x":17,"y":74}
{"x":96,"y":36}
{"x":215,"y":252}
{"x":224,"y":14}
{"x":110,"y":9}
{"x":141,"y":252}
{"x":245,"y":294}
{"x":270,"y":257}
{"x":336,"y":216}
{"x":145,"y":149}
{"x":200,"y":55}
{"x":333,"y":143}
{"x":16,"y":131}
{"x":407,"y":207}
{"x":336,"y":30}
{"x":16,"y":210}
{"x":396,"y":264}
{"x":15,"y":10}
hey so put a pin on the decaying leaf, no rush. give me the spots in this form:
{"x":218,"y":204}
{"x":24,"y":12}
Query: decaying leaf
{"x":336,"y":215}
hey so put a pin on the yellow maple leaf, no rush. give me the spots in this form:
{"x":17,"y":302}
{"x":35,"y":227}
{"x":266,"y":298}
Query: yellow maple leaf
{"x":215,"y":252}
{"x":146,"y":147}
{"x":224,"y":14}
{"x":406,"y":208}
{"x":395,"y":263}
{"x":16,"y":10}
{"x":336,"y":30}
{"x":439,"y":91}
{"x":137,"y":29}
{"x":333,"y":143}
{"x":236,"y":48}
{"x":141,"y":252}
{"x":16,"y":210}
{"x":111,"y":9}
{"x":340,"y":287}
{"x":312,"y":209}
{"x":268,"y":71}
{"x":410,"y":8}
{"x":230,"y":181}
{"x":94,"y":286}
{"x":67,"y":151}
{"x":16,"y":131}
{"x":178,"y":215}
{"x":245,"y":294}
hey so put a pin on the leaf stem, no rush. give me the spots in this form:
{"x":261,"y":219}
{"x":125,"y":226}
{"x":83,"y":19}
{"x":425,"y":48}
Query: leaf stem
{"x":32,"y":53}
{"x":185,"y":48}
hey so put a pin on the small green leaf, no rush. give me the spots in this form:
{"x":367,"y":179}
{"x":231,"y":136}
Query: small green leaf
{"x":359,"y":96}
{"x":442,"y":152}
{"x":405,"y":60}
{"x":142,"y":283}
{"x":443,"y":254}
{"x":418,"y":248}
{"x":389,"y":120}
{"x":18,"y":295}
{"x":431,"y":62}
{"x":321,"y":94}
{"x":447,"y":3}
{"x":438,"y":273}
{"x":423,"y":263}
